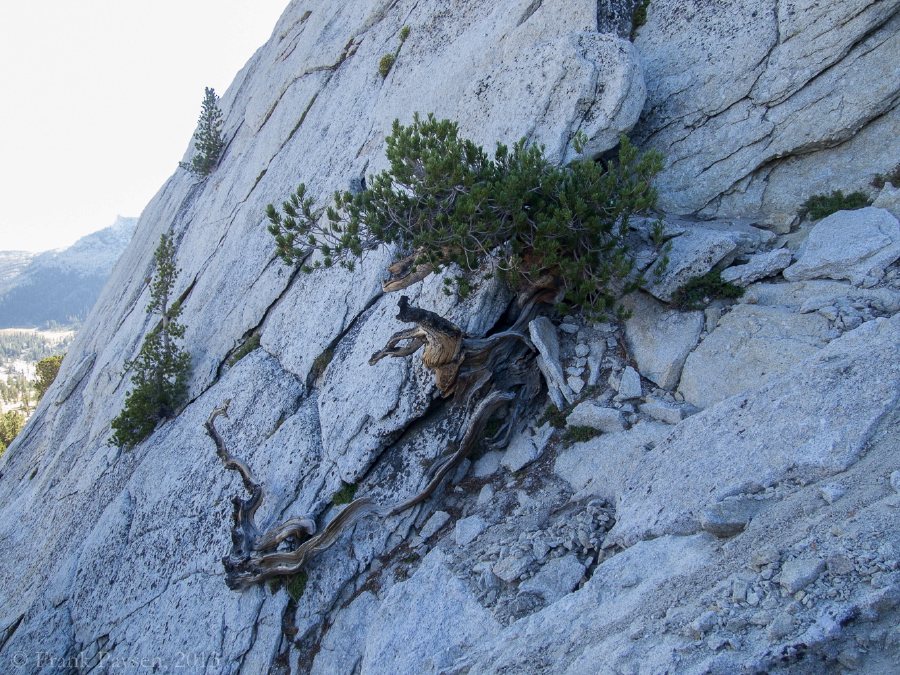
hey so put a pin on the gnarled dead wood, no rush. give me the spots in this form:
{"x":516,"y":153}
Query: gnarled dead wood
{"x":255,"y":558}
{"x":442,"y":341}
{"x":405,"y":272}
{"x":484,"y":374}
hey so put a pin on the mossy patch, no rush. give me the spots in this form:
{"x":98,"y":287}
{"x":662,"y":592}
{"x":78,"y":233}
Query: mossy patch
{"x":320,"y":363}
{"x":252,"y":343}
{"x":296,"y":584}
{"x":344,"y":495}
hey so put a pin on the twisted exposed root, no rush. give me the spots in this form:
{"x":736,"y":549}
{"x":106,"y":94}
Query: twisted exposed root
{"x":255,"y":558}
{"x":253,"y":569}
{"x":441,"y":339}
{"x":483,"y":374}
{"x":474,"y":432}
{"x":244,"y":532}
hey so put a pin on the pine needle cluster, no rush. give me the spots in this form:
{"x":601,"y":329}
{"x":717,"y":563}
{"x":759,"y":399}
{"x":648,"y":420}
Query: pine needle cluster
{"x":447,"y":200}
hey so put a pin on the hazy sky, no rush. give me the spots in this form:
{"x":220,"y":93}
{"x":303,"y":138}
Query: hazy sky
{"x":98,"y":102}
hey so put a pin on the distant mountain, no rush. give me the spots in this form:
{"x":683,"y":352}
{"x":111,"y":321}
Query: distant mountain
{"x":59,"y":287}
{"x":12,"y":263}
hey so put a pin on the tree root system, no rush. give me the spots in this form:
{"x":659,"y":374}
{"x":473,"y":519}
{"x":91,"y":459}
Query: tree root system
{"x":479,"y":376}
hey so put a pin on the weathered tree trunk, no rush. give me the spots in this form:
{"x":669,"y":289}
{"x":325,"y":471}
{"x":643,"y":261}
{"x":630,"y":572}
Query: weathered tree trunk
{"x":441,"y":338}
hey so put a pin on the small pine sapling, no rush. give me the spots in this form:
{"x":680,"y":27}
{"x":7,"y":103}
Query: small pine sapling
{"x":208,"y":141}
{"x":446,"y":200}
{"x":161,"y":370}
{"x":387,"y":61}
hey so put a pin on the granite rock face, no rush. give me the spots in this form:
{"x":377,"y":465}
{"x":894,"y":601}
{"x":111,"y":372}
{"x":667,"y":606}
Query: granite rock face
{"x":660,"y":339}
{"x":810,"y":421}
{"x":308,"y":107}
{"x":758,"y":267}
{"x":692,"y":254}
{"x":853,"y":245}
{"x":750,"y":346}
{"x":889,"y":199}
{"x":742,"y":95}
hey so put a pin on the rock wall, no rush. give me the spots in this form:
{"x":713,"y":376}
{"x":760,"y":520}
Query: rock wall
{"x":718,"y":523}
{"x":759,"y":104}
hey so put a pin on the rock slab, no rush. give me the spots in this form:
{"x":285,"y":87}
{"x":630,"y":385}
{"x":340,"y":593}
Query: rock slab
{"x":751,"y":345}
{"x":758,"y":267}
{"x":587,"y":414}
{"x":555,"y":579}
{"x":853,"y":245}
{"x":660,"y":339}
{"x":693,"y":254}
{"x":810,"y":422}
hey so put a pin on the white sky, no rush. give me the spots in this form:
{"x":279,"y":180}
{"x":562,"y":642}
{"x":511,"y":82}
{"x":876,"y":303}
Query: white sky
{"x":98,"y":102}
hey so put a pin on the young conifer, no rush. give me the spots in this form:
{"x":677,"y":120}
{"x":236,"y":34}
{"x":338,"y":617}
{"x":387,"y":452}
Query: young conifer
{"x":161,"y":370}
{"x":208,"y":141}
{"x":446,"y":199}
{"x":47,"y":369}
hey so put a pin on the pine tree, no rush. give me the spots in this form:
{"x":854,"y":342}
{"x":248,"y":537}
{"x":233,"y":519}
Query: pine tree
{"x":11,"y":424}
{"x":47,"y":369}
{"x":208,"y":141}
{"x":446,"y":200}
{"x":161,"y":369}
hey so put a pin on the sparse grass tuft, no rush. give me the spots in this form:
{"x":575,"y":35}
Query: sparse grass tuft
{"x":892,"y":177}
{"x":557,"y":418}
{"x":579,"y":435}
{"x":639,"y":18}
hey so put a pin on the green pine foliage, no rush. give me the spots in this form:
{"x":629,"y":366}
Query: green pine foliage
{"x":47,"y":370}
{"x":208,"y":141}
{"x":821,"y":206}
{"x":445,"y":199}
{"x":161,"y":370}
{"x":11,"y":424}
{"x":252,"y":343}
{"x":345,"y":495}
{"x":698,"y":292}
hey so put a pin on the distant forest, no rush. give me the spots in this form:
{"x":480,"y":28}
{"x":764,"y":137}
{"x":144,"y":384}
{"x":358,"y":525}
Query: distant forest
{"x":55,"y":299}
{"x":31,"y":347}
